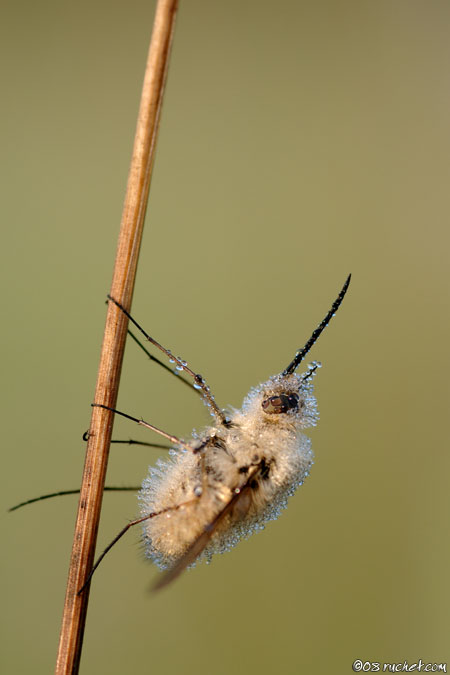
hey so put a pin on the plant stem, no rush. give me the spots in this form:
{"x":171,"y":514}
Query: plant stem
{"x":75,"y":607}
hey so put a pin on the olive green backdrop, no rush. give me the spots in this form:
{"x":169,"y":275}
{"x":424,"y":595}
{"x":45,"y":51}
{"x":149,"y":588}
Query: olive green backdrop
{"x":299,"y":141}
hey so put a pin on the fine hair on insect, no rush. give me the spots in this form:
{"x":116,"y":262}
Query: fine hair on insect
{"x":236,"y":474}
{"x":233,"y":476}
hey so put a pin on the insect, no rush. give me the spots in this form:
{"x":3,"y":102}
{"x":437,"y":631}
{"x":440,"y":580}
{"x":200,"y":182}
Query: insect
{"x":235,"y":475}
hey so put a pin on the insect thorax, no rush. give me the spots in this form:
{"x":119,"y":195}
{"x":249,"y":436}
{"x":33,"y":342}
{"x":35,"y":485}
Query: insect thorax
{"x":264,"y":452}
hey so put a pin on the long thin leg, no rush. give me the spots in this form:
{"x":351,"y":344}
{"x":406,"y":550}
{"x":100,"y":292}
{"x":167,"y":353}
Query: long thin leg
{"x":175,"y":372}
{"x":131,"y":441}
{"x":125,"y":530}
{"x":173,"y":439}
{"x":61,"y":493}
{"x":160,"y":363}
{"x":199,"y":382}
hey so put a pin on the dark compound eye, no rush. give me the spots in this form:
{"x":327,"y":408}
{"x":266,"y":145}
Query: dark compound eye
{"x":280,"y":404}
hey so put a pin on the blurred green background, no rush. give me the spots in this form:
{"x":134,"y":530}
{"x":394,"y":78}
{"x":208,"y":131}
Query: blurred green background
{"x":299,"y":141}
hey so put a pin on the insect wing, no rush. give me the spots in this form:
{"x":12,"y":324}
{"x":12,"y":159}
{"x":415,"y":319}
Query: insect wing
{"x":199,"y":544}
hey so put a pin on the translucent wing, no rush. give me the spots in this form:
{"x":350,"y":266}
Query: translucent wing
{"x":203,"y":539}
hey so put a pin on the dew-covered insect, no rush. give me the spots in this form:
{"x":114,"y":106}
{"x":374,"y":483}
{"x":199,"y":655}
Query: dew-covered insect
{"x":235,"y":475}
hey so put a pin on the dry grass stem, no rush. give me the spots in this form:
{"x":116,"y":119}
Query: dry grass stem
{"x":122,"y":286}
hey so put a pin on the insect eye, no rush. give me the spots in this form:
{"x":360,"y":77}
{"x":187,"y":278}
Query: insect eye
{"x":280,"y":404}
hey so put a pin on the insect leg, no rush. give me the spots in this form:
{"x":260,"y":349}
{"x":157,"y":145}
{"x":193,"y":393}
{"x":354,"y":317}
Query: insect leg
{"x":199,"y":382}
{"x":173,"y":439}
{"x":124,"y":530}
{"x":130,"y":441}
{"x":61,"y":493}
{"x":160,"y":363}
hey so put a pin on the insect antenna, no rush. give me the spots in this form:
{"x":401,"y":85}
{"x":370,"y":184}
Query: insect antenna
{"x":199,"y":382}
{"x":300,"y":355}
{"x":311,"y":370}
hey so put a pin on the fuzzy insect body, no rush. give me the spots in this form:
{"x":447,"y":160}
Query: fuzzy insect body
{"x":254,"y":463}
{"x":233,"y":477}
